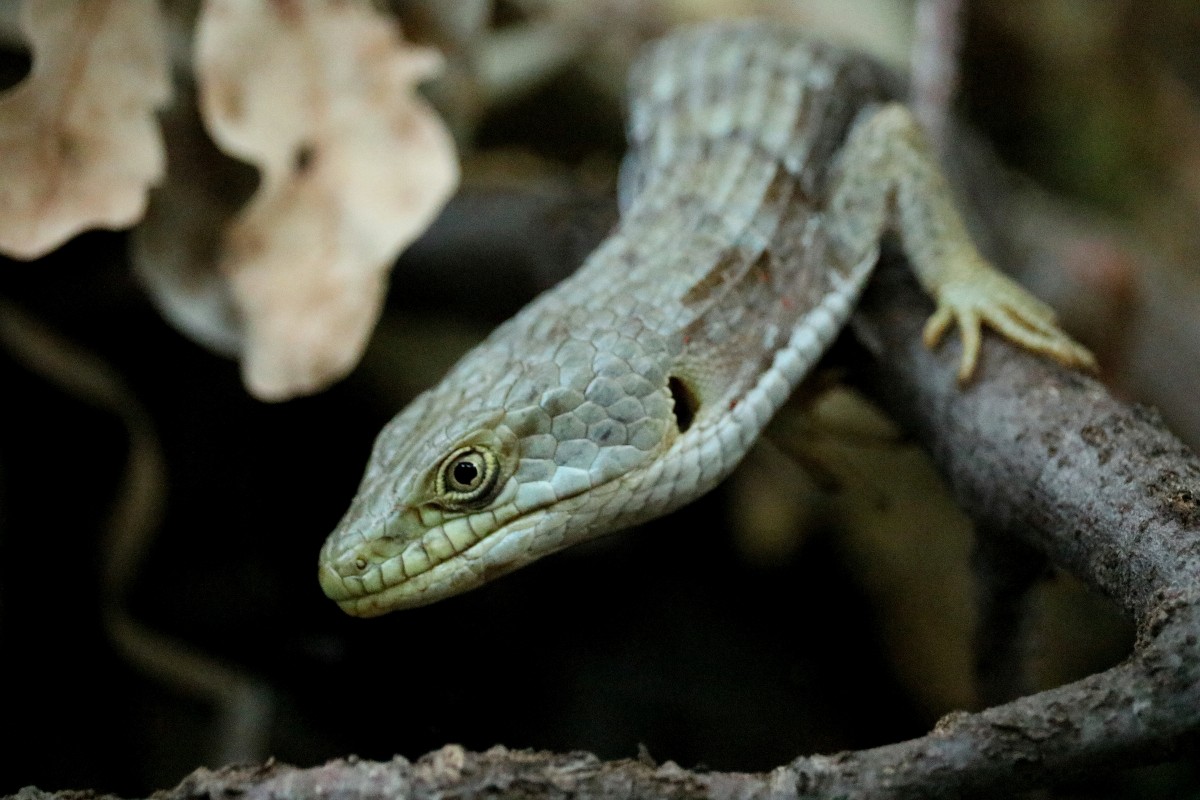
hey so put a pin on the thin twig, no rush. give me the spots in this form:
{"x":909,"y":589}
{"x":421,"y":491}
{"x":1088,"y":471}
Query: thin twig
{"x":1006,"y":572}
{"x":935,"y":66}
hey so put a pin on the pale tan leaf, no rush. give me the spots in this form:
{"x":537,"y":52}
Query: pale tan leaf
{"x":79,"y":143}
{"x":320,"y":96}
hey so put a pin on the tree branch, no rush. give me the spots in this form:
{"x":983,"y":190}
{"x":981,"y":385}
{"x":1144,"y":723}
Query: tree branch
{"x":1044,"y":455}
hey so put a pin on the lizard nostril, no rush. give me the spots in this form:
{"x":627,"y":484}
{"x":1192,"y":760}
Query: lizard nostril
{"x":360,"y":564}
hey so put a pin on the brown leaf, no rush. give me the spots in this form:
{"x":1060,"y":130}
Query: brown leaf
{"x":321,"y":97}
{"x":79,"y":143}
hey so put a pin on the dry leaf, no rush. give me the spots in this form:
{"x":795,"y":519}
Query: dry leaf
{"x":79,"y":143}
{"x":320,"y":96}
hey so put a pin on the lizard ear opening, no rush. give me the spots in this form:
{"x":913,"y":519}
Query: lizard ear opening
{"x":685,"y":402}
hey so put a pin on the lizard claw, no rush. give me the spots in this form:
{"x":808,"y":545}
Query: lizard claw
{"x":988,"y":298}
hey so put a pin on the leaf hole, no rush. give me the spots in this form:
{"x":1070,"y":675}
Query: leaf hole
{"x":303,"y":159}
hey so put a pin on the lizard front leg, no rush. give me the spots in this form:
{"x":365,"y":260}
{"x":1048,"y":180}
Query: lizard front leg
{"x":886,"y":179}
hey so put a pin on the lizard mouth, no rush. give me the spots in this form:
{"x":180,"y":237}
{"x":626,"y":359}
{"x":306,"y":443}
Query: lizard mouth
{"x":412,"y":561}
{"x":377,"y":575}
{"x":353,"y":596}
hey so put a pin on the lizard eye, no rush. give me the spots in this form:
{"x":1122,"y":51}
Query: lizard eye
{"x":468,"y":475}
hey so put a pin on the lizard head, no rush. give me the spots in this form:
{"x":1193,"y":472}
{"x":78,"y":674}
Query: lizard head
{"x":503,"y":462}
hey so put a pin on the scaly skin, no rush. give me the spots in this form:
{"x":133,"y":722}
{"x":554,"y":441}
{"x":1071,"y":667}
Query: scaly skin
{"x":765,"y":169}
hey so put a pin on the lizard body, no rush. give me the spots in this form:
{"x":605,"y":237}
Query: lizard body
{"x":765,"y":168}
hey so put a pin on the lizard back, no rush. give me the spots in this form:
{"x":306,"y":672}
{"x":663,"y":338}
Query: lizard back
{"x":734,"y":132}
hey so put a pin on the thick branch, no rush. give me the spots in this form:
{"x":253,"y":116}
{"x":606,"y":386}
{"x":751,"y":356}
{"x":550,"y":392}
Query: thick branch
{"x":1045,"y":455}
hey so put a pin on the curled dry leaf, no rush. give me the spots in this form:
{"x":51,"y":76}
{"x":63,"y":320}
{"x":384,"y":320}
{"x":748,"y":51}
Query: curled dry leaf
{"x":320,"y":96}
{"x":79,"y":143}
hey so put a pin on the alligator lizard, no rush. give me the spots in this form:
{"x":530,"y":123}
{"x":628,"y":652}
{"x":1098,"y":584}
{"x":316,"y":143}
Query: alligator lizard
{"x":764,"y":169}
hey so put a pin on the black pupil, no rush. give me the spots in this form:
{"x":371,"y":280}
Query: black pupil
{"x":465,"y":473}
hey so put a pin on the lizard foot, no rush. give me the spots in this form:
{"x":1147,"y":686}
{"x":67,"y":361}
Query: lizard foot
{"x":988,"y":298}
